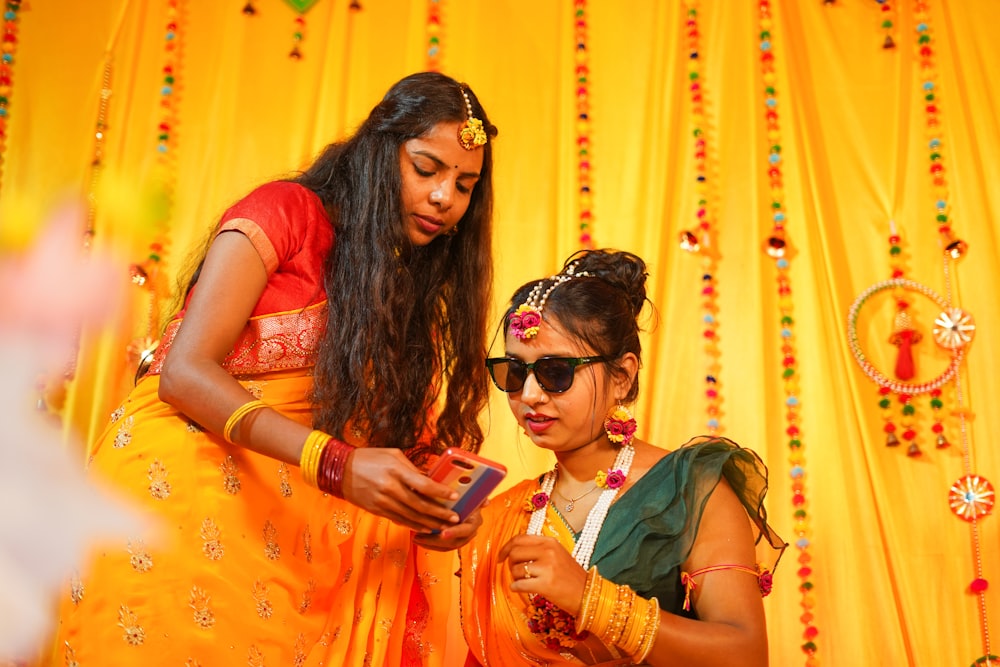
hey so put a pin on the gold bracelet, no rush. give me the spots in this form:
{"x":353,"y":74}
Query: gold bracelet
{"x":238,"y":414}
{"x":312,"y":453}
{"x":588,"y":603}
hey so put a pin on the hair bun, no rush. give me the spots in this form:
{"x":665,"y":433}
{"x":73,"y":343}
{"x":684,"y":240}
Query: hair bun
{"x":619,"y":268}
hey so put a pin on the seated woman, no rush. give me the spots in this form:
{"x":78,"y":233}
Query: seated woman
{"x":623,"y":553}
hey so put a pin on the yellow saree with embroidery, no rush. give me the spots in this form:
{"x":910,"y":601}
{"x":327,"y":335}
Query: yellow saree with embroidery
{"x":250,"y":566}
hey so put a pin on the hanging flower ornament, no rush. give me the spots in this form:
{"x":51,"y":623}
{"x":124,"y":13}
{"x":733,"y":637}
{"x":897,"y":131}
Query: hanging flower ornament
{"x":620,"y":425}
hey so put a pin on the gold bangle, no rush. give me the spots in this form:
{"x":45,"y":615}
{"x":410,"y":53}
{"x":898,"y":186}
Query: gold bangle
{"x":312,"y":453}
{"x":238,"y":414}
{"x":650,"y":630}
{"x":588,"y":603}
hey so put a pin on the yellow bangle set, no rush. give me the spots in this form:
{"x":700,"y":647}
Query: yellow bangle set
{"x":238,"y":414}
{"x":312,"y":454}
{"x":618,"y":616}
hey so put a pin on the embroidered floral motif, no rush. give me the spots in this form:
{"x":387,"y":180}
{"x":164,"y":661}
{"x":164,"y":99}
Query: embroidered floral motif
{"x":117,"y":414}
{"x":368,"y":660}
{"x":307,"y":540}
{"x":191,"y":662}
{"x":139,"y":558}
{"x":307,"y":596}
{"x":285,"y":483}
{"x":255,"y":658}
{"x":70,"y":657}
{"x":343,"y":522}
{"x":426,"y":580}
{"x":398,"y":558}
{"x":192,"y":427}
{"x":271,"y":548}
{"x":264,"y":608}
{"x":255,"y":388}
{"x":386,"y":625}
{"x":212,"y":538}
{"x":358,"y":615}
{"x":124,"y":435}
{"x":348,"y":573}
{"x":200,"y":602}
{"x":76,"y":589}
{"x":373,"y":551}
{"x":230,"y":482}
{"x":159,"y":487}
{"x":132,"y":634}
{"x":300,"y":651}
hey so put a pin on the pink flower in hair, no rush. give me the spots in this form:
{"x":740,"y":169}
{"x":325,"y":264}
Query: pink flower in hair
{"x":524,"y":322}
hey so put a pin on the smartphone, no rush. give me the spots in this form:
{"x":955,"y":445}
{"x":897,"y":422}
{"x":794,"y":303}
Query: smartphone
{"x":473,"y":476}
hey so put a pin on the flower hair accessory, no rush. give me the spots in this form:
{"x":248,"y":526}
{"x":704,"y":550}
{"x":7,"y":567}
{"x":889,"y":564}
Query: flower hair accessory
{"x":526,"y":318}
{"x":471,"y":134}
{"x":620,"y":425}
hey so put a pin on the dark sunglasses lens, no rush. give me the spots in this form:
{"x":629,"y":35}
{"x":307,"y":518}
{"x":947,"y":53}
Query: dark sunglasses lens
{"x":555,"y":375}
{"x":509,"y":374}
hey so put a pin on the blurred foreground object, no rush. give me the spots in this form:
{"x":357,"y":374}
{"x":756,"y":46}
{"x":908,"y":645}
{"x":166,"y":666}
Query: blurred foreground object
{"x":50,"y":514}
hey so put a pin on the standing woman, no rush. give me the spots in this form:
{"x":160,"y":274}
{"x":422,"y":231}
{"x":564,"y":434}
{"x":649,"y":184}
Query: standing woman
{"x":330,"y":343}
{"x":624,"y":553}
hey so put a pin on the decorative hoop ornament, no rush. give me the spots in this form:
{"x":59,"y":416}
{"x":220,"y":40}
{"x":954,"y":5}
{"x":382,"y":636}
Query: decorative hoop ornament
{"x":971,"y":497}
{"x":954,"y":331}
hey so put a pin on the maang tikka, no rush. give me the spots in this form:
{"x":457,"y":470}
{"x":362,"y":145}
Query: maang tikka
{"x":526,"y":319}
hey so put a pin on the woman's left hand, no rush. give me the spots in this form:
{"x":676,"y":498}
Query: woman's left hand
{"x":454,"y":536}
{"x":541,"y":565}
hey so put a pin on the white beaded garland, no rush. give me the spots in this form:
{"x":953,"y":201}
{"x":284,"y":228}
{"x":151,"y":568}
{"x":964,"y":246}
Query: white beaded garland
{"x":584,"y":548}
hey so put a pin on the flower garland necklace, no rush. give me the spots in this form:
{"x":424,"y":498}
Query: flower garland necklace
{"x":554,"y":626}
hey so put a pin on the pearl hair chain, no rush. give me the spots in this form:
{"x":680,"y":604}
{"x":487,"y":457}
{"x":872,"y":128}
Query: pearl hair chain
{"x":584,"y":548}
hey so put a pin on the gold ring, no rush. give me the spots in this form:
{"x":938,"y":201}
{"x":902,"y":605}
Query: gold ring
{"x":527,"y":575}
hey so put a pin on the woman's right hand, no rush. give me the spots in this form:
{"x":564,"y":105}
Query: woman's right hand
{"x":386,"y":483}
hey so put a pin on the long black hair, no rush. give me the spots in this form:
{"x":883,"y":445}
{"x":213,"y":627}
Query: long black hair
{"x":404,"y":323}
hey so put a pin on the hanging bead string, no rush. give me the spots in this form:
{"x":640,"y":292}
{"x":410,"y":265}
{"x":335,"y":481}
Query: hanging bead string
{"x":972,"y":497}
{"x":582,"y":62}
{"x":298,"y":34}
{"x":702,"y":241}
{"x":887,"y":24}
{"x":776,"y":247}
{"x":434,"y":55}
{"x":6,"y":73}
{"x":904,"y":335}
{"x":146,"y":274}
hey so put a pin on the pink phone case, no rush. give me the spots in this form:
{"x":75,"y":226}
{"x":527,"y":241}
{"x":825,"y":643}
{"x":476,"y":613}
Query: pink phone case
{"x":471,"y":475}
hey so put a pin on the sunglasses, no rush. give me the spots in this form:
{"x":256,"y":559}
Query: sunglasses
{"x":553,"y":374}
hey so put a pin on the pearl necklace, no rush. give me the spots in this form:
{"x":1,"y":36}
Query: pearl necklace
{"x":584,"y":548}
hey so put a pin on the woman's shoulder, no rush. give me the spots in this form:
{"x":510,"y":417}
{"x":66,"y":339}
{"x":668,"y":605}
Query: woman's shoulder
{"x":277,"y":192}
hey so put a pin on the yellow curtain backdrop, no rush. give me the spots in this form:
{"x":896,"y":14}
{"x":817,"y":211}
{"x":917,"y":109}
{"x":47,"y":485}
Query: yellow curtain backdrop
{"x":891,"y":564}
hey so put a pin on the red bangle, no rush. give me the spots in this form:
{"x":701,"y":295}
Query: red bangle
{"x":333,"y":462}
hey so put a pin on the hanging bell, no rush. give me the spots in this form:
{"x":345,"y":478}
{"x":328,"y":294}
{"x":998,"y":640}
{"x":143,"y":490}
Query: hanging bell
{"x":776,"y":245}
{"x":891,"y":440}
{"x":138,"y":274}
{"x":941,"y":442}
{"x":913,"y":450}
{"x":689,"y":241}
{"x":953,"y":247}
{"x":888,"y":43}
{"x":249,"y":9}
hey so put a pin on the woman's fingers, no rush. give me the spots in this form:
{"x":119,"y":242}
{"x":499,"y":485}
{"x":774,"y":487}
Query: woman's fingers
{"x":383,"y":482}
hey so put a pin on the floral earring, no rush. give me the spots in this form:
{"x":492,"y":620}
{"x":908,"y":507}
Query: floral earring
{"x":620,"y":425}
